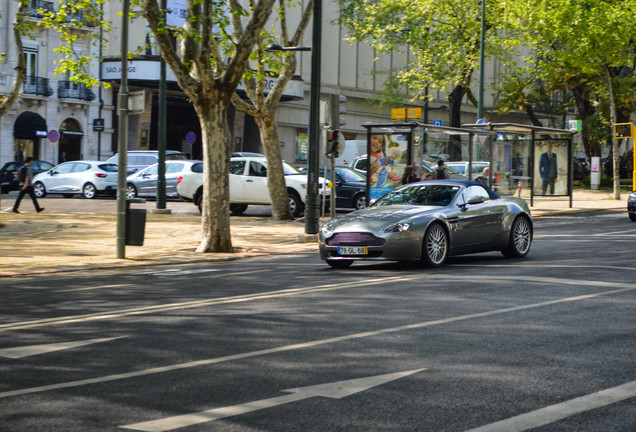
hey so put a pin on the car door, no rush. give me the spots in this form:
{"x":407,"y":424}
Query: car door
{"x":237,"y":180}
{"x":58,"y":178}
{"x":77,"y":178}
{"x":147,"y":181}
{"x":477,"y":223}
{"x":255,"y":183}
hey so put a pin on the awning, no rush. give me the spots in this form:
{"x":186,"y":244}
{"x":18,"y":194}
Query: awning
{"x":29,"y":125}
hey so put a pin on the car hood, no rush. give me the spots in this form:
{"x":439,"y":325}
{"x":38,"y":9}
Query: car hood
{"x":373,"y":218}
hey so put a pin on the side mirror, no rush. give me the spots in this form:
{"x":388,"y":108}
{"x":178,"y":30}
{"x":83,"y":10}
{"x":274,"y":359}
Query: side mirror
{"x":476,"y":200}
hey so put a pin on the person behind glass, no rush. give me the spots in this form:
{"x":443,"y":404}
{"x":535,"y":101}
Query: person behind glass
{"x":27,"y":188}
{"x":548,"y":169}
{"x":409,"y":176}
{"x":441,"y":172}
{"x":62,"y":158}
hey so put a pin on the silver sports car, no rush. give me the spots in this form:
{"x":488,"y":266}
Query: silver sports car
{"x":429,"y":221}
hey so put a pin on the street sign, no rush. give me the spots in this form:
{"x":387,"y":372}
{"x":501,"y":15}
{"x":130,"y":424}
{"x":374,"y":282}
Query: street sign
{"x":414,"y":113}
{"x":482,"y":121}
{"x":575,"y":125}
{"x":623,"y":130}
{"x":438,"y":122}
{"x":398,"y":113}
{"x":54,"y":135}
{"x":191,"y":137}
{"x":98,"y":125}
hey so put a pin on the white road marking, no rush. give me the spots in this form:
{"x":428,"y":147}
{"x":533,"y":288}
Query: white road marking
{"x":304,"y":345}
{"x":113,"y":314}
{"x":95,"y":287}
{"x":562,"y":410}
{"x":334,"y":390}
{"x":31,"y":350}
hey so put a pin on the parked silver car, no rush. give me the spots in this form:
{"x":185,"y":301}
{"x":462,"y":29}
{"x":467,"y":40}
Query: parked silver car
{"x":143,"y":183}
{"x":85,"y":177}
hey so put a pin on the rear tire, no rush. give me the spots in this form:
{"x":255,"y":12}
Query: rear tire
{"x":520,"y":239}
{"x":238,"y":209}
{"x":339,"y":264}
{"x":435,"y":246}
{"x":359,"y":202}
{"x":632,"y":216}
{"x":39,"y":190}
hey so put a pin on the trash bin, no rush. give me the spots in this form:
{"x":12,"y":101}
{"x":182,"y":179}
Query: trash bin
{"x":135,"y":223}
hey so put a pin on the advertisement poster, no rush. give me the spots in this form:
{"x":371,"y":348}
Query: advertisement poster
{"x":387,"y":160}
{"x":551,"y":168}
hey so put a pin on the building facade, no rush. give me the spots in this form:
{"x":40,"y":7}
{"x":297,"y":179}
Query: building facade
{"x":55,"y":116}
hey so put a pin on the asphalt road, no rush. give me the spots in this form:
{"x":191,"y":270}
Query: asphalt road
{"x":285,"y":343}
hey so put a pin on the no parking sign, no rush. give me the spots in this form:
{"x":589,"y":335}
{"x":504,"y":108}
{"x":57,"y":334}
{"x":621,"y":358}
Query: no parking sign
{"x":191,"y":137}
{"x":54,"y":135}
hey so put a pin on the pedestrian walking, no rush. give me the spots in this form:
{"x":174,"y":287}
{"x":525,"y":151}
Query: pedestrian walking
{"x":27,"y":186}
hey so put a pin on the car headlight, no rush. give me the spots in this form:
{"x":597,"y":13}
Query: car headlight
{"x":632,"y":197}
{"x":397,"y":227}
{"x":327,"y":229}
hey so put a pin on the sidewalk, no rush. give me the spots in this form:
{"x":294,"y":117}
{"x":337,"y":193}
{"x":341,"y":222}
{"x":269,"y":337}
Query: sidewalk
{"x":52,"y":241}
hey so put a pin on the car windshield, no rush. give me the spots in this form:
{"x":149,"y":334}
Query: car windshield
{"x":289,"y":169}
{"x":428,"y":195}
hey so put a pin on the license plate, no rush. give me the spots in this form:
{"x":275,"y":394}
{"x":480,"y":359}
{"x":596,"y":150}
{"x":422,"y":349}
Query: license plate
{"x":352,"y":250}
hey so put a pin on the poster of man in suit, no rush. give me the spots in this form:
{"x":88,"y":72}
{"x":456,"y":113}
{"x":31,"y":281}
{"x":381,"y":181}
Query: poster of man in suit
{"x":551,"y":169}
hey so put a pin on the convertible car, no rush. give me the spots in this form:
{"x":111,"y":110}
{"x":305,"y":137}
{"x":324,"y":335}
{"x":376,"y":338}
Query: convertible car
{"x":429,"y":221}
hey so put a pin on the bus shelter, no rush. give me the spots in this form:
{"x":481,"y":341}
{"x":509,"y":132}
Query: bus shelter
{"x":534,"y":158}
{"x":393,"y":146}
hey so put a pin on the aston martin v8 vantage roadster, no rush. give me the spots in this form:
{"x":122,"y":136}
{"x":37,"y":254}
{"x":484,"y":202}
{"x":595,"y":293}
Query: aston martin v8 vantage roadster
{"x":429,"y":221}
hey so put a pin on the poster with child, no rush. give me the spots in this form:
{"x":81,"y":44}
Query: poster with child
{"x":387,"y":159}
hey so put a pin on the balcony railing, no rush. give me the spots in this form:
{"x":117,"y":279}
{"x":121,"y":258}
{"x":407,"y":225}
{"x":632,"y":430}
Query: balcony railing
{"x":35,"y":5}
{"x":35,"y":85}
{"x":72,"y":90}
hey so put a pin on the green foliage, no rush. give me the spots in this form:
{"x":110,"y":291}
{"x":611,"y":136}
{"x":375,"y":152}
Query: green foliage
{"x":443,"y":37}
{"x":76,"y":25}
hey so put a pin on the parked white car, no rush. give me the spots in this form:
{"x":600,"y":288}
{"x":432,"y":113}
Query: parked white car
{"x":85,"y":177}
{"x":143,"y":183}
{"x":248,"y":185}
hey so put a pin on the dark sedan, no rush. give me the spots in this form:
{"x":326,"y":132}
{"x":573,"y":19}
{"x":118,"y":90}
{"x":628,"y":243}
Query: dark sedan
{"x":8,"y":179}
{"x":350,"y":187}
{"x":429,"y":221}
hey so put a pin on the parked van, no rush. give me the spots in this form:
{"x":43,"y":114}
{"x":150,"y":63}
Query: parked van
{"x":353,"y":149}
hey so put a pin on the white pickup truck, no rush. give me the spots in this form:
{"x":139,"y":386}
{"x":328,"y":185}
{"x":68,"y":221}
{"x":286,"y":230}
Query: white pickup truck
{"x":248,"y":185}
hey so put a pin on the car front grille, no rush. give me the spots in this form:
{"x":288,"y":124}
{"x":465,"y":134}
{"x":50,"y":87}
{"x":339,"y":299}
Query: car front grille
{"x":354,"y":239}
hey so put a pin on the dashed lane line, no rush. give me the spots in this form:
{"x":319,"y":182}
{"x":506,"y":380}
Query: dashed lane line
{"x":554,"y":413}
{"x":305,"y":345}
{"x":113,"y":314}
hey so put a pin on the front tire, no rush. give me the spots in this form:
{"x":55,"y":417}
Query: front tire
{"x":520,"y":239}
{"x":39,"y":190}
{"x":435,"y":246}
{"x":632,"y":216}
{"x":295,"y":204}
{"x":131,"y":191}
{"x":339,"y":264}
{"x":89,"y":191}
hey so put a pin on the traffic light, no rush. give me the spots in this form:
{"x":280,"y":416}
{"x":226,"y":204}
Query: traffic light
{"x":336,"y":109}
{"x":334,"y":143}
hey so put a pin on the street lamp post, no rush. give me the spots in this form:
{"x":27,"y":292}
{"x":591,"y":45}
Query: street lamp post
{"x":122,"y":148}
{"x":480,"y":99}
